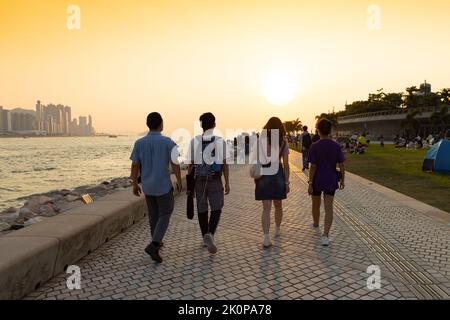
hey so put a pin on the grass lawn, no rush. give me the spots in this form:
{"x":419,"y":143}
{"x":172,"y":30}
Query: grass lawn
{"x":401,"y":170}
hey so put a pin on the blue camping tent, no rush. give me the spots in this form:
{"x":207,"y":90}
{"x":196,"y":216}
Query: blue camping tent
{"x":438,"y":158}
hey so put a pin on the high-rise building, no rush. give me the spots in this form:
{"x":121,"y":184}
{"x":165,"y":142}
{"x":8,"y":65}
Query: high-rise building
{"x":1,"y":120}
{"x":74,"y":127}
{"x":39,"y":116}
{"x":53,"y":119}
{"x":90,"y":127}
{"x":425,"y":88}
{"x":23,"y":120}
{"x":68,"y":119}
{"x":5,"y":121}
{"x":83,"y":124}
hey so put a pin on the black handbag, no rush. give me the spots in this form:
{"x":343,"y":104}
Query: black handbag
{"x":339,"y":175}
{"x":190,"y":182}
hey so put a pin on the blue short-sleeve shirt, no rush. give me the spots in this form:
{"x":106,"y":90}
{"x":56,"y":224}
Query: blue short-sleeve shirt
{"x":154,"y":153}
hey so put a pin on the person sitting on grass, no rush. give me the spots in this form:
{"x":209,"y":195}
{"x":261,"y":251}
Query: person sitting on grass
{"x":360,"y":149}
{"x":362,"y":140}
{"x":346,"y":147}
{"x":411,"y":145}
{"x":401,"y":143}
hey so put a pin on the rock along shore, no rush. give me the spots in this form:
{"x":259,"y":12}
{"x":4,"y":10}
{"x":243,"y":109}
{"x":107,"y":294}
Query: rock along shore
{"x":40,"y":207}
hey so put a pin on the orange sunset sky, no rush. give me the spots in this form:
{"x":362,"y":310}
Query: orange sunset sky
{"x":185,"y":57}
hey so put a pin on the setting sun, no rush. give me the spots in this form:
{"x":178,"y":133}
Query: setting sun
{"x":280,"y":86}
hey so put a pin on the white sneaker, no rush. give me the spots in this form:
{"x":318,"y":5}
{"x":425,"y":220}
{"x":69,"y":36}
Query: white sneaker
{"x":313,"y":227}
{"x":325,"y":241}
{"x":267,"y":242}
{"x":277,"y":231}
{"x":210,"y":244}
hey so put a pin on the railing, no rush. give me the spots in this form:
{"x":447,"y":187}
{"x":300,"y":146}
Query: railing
{"x":384,"y":113}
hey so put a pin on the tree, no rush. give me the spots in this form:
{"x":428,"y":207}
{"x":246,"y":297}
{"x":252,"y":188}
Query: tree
{"x":445,"y":96}
{"x":293,"y":127}
{"x":441,"y":117}
{"x":297,"y":125}
{"x":332,"y":117}
{"x":412,"y":99}
{"x":412,"y":90}
{"x":431,"y":100}
{"x":393,"y":101}
{"x":411,"y":123}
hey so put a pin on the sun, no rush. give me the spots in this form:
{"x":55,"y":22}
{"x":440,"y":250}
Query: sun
{"x":280,"y":86}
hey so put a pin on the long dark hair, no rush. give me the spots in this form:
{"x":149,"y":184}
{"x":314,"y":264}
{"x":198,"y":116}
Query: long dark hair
{"x":275,"y":123}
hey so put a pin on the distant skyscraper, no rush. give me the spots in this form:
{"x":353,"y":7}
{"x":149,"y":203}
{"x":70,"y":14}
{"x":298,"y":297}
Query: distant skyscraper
{"x":6,"y":124}
{"x":68,"y":117}
{"x":74,"y":127}
{"x":53,"y":119}
{"x":40,"y":116}
{"x":1,"y":119}
{"x":425,"y":88}
{"x":90,"y":127}
{"x":83,"y":124}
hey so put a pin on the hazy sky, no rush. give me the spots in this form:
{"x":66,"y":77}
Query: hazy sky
{"x":184,"y":57}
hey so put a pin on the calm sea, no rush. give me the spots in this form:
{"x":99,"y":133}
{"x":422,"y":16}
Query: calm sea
{"x":39,"y":165}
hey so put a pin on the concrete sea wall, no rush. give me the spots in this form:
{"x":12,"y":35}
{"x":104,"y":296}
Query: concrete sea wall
{"x":31,"y":256}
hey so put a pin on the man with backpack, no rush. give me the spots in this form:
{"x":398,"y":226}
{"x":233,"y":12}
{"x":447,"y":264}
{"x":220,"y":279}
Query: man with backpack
{"x":306,"y":144}
{"x":208,"y":163}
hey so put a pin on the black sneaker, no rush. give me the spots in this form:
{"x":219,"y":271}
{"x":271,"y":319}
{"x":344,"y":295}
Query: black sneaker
{"x":153,"y":252}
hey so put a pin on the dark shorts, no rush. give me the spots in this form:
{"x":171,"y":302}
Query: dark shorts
{"x":209,"y":192}
{"x":319,"y":193}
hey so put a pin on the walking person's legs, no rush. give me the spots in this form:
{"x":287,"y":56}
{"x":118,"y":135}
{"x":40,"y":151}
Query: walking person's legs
{"x":278,"y":204}
{"x":267,"y":207}
{"x":202,"y":206}
{"x":214,"y":221}
{"x":316,"y":201}
{"x":165,"y":205}
{"x":305,"y":154}
{"x":153,"y":213}
{"x":215,"y":198}
{"x":160,"y":223}
{"x":203,"y":222}
{"x":328,"y":204}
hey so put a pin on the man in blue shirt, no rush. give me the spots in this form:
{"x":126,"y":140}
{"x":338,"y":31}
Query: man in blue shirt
{"x":151,"y":157}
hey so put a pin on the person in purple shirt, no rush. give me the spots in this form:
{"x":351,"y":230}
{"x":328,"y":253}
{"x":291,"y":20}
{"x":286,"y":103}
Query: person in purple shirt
{"x":324,"y":156}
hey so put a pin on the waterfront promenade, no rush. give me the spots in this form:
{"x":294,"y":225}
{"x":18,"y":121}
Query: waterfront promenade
{"x":409,"y":241}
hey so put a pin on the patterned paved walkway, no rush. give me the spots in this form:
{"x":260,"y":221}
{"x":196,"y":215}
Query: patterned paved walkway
{"x":411,"y":250}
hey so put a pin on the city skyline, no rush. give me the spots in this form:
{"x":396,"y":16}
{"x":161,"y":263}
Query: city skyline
{"x":51,"y":119}
{"x":245,"y":61}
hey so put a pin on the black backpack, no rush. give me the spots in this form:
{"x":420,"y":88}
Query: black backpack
{"x":306,"y":141}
